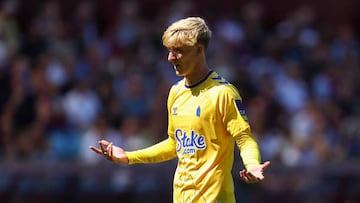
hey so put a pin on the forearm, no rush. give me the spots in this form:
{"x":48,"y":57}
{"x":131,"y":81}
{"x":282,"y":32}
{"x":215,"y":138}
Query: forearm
{"x":163,"y":151}
{"x":249,"y":149}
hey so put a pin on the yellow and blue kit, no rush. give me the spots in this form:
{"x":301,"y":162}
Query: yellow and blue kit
{"x":206,"y":120}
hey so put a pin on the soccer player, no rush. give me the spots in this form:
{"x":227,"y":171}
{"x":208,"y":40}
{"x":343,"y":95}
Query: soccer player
{"x":206,"y":120}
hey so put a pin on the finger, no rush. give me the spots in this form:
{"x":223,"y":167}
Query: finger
{"x":250,"y":175}
{"x":102,"y":147}
{"x":242,"y":172}
{"x":95,"y":149}
{"x":104,"y":142}
{"x":245,"y":173}
{"x":109,"y":150}
{"x":246,"y":178}
{"x":109,"y":146}
{"x":265,"y":165}
{"x":253,"y":178}
{"x":243,"y":177}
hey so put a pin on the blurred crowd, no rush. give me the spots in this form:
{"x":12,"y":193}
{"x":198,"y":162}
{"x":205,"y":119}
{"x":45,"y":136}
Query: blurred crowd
{"x":71,"y":77}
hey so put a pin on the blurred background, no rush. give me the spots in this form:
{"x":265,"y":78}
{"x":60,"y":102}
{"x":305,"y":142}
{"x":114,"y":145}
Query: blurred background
{"x":73,"y":72}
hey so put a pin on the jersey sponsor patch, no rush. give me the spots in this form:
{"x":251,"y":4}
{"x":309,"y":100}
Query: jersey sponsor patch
{"x":241,"y":108}
{"x":189,"y":144}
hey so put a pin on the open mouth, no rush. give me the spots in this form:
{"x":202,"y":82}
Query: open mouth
{"x":176,"y":66}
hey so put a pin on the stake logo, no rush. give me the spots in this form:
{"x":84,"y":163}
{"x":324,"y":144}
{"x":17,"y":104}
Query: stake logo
{"x":189,"y":143}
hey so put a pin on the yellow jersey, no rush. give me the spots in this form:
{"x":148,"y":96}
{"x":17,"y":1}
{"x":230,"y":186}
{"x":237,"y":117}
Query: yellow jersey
{"x":205,"y":121}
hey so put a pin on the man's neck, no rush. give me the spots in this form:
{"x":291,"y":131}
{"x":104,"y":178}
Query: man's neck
{"x":197,"y":76}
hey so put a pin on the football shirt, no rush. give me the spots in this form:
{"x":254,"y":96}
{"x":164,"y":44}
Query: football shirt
{"x":205,"y":121}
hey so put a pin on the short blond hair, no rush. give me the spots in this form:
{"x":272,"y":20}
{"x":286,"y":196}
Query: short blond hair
{"x":188,"y":31}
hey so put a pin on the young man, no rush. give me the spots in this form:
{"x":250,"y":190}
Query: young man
{"x":206,"y":120}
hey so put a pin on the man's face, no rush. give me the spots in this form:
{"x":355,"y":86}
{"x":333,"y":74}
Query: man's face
{"x":184,"y":59}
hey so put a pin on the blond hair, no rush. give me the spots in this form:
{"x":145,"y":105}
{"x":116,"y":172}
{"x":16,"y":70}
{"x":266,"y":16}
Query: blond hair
{"x":189,"y":32}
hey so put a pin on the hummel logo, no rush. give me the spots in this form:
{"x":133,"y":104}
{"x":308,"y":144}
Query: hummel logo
{"x":174,"y":109}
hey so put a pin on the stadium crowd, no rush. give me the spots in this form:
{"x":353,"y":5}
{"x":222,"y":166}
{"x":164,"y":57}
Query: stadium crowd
{"x":71,"y":77}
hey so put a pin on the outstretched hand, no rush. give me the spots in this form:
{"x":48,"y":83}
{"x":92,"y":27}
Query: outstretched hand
{"x":255,"y":174}
{"x":111,"y":152}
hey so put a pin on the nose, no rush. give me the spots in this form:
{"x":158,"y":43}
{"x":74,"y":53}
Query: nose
{"x":171,"y":56}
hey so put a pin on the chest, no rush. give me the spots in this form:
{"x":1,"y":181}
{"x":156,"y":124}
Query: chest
{"x":194,"y":111}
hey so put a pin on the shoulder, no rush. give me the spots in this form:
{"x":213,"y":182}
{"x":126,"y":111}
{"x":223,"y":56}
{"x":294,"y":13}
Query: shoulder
{"x":222,"y":86}
{"x":176,"y":86}
{"x":174,"y":90}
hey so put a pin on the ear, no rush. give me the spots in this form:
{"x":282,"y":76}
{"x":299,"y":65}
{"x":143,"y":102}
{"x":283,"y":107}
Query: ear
{"x":200,"y":49}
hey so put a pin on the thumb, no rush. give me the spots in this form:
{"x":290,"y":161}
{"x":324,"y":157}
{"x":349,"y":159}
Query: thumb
{"x":266,"y":165}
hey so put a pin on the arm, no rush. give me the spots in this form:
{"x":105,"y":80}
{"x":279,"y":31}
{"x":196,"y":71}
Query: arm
{"x":249,"y":150}
{"x":162,"y":151}
{"x":250,"y":154}
{"x":237,"y":125}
